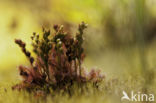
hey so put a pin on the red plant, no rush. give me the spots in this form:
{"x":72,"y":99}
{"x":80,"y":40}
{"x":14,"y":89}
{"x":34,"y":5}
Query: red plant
{"x":58,"y":61}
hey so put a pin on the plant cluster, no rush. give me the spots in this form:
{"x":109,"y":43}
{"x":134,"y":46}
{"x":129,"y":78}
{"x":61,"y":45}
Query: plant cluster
{"x":58,"y":60}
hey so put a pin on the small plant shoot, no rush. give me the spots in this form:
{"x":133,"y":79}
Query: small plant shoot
{"x":58,"y":62}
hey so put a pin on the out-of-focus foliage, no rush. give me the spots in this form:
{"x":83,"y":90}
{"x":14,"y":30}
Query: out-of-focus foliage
{"x":120,"y":40}
{"x":117,"y":29}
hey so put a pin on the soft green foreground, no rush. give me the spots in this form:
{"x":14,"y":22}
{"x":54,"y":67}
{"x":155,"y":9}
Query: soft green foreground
{"x":110,"y":91}
{"x":123,"y":71}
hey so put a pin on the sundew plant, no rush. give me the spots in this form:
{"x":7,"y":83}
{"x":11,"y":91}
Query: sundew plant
{"x":57,"y":65}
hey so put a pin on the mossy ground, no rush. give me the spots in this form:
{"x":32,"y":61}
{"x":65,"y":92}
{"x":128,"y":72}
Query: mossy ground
{"x":122,"y":69}
{"x":110,"y":90}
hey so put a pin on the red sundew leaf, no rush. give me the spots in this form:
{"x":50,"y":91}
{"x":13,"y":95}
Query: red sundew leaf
{"x":18,"y":87}
{"x":52,"y":58}
{"x":92,"y":74}
{"x":40,"y":61}
{"x":35,"y":73}
{"x":39,"y":94}
{"x":83,"y":56}
{"x":26,"y":74}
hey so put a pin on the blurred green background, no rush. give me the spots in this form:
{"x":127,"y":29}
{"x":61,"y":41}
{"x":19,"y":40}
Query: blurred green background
{"x":120,"y":38}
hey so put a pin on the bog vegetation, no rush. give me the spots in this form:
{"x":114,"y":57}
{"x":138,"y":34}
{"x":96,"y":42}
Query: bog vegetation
{"x":57,"y":65}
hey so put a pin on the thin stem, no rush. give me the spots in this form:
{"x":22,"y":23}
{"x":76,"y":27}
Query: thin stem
{"x":75,"y":67}
{"x":79,"y":67}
